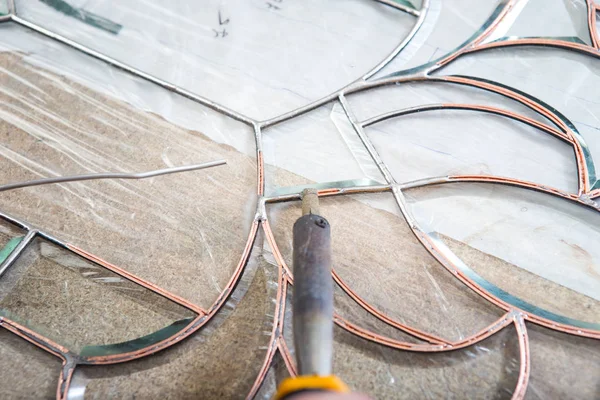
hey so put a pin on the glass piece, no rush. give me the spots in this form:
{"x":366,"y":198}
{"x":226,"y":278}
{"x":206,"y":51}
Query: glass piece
{"x":259,"y":59}
{"x":277,"y":373}
{"x":222,"y":360}
{"x":26,"y":371}
{"x":564,"y":79}
{"x":537,"y":247}
{"x":10,"y":237}
{"x":462,"y":142}
{"x":552,"y":18}
{"x":320,"y":146}
{"x":3,"y":7}
{"x":168,"y":230}
{"x":562,"y":366}
{"x":368,"y":104}
{"x":347,"y":308}
{"x":84,"y":306}
{"x":378,"y":257}
{"x":449,"y":24}
{"x":555,"y":76}
{"x":488,"y":369}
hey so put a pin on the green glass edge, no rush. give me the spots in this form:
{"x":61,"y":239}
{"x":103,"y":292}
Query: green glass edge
{"x":136,"y":344}
{"x":9,"y":247}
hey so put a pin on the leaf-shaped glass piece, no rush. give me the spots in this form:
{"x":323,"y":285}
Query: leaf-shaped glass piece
{"x":488,"y":369}
{"x":563,"y":79}
{"x":442,"y":142}
{"x":259,"y":59}
{"x":385,"y":99}
{"x":378,"y":258}
{"x":220,"y":361}
{"x":84,"y":306}
{"x":539,"y":248}
{"x":349,"y":311}
{"x":555,"y":76}
{"x":26,"y":371}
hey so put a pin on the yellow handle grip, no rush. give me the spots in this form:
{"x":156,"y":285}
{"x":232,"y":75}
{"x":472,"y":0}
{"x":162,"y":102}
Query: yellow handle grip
{"x":329,"y":383}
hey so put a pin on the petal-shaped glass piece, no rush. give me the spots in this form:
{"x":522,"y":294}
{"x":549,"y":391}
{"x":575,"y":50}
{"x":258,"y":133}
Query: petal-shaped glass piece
{"x":488,"y":369}
{"x":259,"y":59}
{"x":464,"y":142}
{"x":84,"y":306}
{"x":26,"y":371}
{"x":370,"y":103}
{"x":537,"y":247}
{"x":555,"y":76}
{"x":378,"y":257}
{"x":563,"y":79}
{"x":562,"y":366}
{"x":349,"y":311}
{"x":183,"y":232}
{"x":222,"y":360}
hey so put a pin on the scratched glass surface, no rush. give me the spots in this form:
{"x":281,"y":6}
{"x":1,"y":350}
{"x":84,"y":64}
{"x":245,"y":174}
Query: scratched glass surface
{"x":453,"y":144}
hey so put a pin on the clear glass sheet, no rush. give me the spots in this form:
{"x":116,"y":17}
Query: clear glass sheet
{"x":233,"y":53}
{"x":462,"y":142}
{"x":562,"y":366}
{"x":320,"y":146}
{"x":3,"y":7}
{"x":82,"y":305}
{"x":221,"y":361}
{"x":546,"y":235}
{"x":26,"y":371}
{"x":379,"y":258}
{"x":53,"y":126}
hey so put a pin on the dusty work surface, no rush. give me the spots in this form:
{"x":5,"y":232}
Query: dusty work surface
{"x":185,"y":233}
